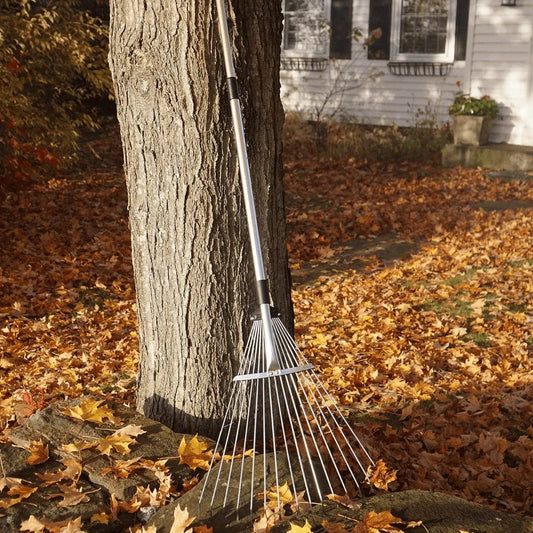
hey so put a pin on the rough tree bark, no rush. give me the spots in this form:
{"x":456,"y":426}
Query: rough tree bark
{"x":190,"y":248}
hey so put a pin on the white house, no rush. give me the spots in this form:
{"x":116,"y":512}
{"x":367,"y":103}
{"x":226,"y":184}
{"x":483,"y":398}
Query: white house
{"x":429,"y":50}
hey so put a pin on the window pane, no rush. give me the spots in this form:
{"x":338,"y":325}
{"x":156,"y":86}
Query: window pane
{"x":305,"y":26}
{"x":423,"y":26}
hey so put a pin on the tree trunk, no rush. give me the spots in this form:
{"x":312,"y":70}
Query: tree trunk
{"x":190,"y":249}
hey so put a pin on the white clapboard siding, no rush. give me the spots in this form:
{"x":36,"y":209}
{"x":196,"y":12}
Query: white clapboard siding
{"x":499,"y":63}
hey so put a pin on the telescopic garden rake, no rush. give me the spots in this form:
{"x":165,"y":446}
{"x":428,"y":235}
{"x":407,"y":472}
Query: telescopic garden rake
{"x":282,"y":429}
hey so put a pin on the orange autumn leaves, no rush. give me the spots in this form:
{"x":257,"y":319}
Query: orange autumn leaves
{"x":70,"y":491}
{"x":382,"y":522}
{"x":432,"y":353}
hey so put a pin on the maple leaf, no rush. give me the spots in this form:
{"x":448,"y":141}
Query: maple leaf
{"x":71,"y":495}
{"x":72,"y":472}
{"x":79,"y":446}
{"x":32,"y":524}
{"x":380,"y":475}
{"x":195,"y":453}
{"x":344,"y":500}
{"x":18,"y":489}
{"x":181,"y":521}
{"x":123,"y":469}
{"x":306,"y":528}
{"x":10,"y":482}
{"x":119,"y":443}
{"x":203,"y":529}
{"x":39,"y":453}
{"x":378,"y":523}
{"x":91,"y":411}
{"x":39,"y":525}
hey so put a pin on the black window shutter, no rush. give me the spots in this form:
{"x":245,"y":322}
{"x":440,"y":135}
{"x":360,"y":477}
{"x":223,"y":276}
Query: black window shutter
{"x":380,"y":16}
{"x":340,"y":45}
{"x":461,"y":29}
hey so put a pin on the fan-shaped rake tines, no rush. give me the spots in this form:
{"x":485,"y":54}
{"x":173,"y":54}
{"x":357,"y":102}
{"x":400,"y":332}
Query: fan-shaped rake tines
{"x":283,"y":440}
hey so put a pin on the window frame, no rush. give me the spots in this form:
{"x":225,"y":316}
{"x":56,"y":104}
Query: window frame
{"x":446,"y":56}
{"x":315,"y":53}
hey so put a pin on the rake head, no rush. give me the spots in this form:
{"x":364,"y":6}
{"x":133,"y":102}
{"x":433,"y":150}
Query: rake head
{"x":283,"y":439}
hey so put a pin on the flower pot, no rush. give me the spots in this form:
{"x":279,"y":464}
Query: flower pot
{"x":470,"y":129}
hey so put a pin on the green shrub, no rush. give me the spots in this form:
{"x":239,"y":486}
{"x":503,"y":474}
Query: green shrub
{"x":53,"y":66}
{"x":464,"y":104}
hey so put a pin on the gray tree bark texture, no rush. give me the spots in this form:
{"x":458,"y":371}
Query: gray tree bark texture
{"x":191,"y":256}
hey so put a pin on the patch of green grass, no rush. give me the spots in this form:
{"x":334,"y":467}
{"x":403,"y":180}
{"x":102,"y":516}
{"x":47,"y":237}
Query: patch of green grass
{"x":467,"y":276}
{"x":481,"y":339}
{"x":521,"y":263}
{"x":456,"y":307}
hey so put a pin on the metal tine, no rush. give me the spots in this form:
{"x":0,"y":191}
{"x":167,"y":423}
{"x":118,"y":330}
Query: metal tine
{"x":290,"y":389}
{"x":306,"y":409}
{"x":254,"y":341}
{"x":295,"y":391}
{"x":325,"y":400}
{"x":238,"y":392}
{"x":285,"y":440}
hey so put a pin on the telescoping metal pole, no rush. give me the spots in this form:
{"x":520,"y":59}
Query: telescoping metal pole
{"x":244,"y":168}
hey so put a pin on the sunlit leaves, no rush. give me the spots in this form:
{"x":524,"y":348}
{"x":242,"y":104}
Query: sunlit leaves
{"x":306,"y":528}
{"x":91,"y":411}
{"x":181,"y":521}
{"x":41,"y":525}
{"x":381,"y":475}
{"x":195,"y":453}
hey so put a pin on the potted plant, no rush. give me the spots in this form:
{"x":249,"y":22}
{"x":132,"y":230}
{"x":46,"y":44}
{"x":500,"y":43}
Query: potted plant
{"x":472,"y":118}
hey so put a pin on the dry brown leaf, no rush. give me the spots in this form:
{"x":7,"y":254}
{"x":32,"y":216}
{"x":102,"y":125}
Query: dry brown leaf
{"x":382,"y":522}
{"x":334,"y":527}
{"x":181,"y":521}
{"x":71,"y":494}
{"x":39,"y":453}
{"x":39,"y":525}
{"x":72,"y":472}
{"x":119,"y":443}
{"x":380,"y":475}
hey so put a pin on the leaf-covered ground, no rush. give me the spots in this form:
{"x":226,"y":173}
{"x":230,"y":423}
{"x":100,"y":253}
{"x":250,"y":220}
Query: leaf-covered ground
{"x":432,"y":351}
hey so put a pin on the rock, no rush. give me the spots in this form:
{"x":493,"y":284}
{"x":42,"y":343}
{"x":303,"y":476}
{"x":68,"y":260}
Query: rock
{"x":439,"y":513}
{"x":232,"y":515}
{"x":40,"y":502}
{"x":57,"y":429}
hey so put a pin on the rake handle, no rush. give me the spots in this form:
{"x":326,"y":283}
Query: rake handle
{"x":246,"y":180}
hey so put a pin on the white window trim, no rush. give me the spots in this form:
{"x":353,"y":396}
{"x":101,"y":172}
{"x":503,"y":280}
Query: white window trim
{"x":313,"y":54}
{"x":447,"y":56}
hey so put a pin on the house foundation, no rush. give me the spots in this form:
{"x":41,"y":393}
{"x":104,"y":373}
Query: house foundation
{"x":502,"y":156}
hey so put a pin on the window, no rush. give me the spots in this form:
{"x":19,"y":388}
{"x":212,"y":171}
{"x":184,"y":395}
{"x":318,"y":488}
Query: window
{"x":306,"y":28}
{"x":423,"y":30}
{"x":419,"y":30}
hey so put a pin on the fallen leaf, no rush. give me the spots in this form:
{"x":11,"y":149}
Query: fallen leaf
{"x":378,"y":523}
{"x":306,"y":528}
{"x":72,"y":472}
{"x":380,"y":475}
{"x":119,"y":443}
{"x":181,"y":521}
{"x":195,"y":453}
{"x":71,"y":495}
{"x":91,"y":411}
{"x":39,"y":453}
